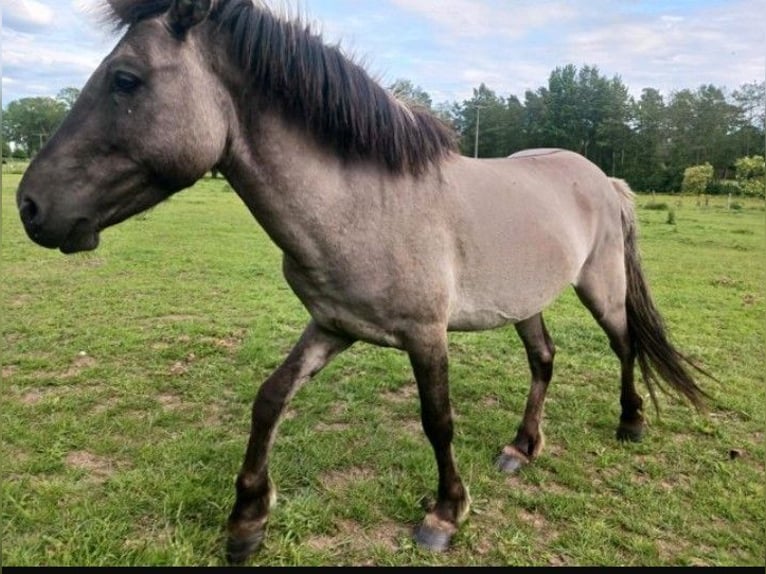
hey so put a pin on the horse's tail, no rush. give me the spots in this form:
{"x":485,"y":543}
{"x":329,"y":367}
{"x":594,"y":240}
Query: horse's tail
{"x":659,"y":361}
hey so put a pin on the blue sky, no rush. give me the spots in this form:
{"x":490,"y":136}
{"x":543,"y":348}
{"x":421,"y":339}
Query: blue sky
{"x":448,"y":47}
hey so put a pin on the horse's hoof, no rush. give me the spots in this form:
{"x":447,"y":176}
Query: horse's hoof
{"x":627,"y":433}
{"x":238,"y":550}
{"x":511,"y":460}
{"x":431,"y":538}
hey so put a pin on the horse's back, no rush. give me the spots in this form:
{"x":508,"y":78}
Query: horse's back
{"x":525,"y":228}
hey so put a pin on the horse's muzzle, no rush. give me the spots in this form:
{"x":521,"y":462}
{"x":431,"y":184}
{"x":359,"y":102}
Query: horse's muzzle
{"x":33,"y":217}
{"x":70,"y":236}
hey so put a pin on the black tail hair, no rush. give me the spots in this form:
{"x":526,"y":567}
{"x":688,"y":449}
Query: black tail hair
{"x":658,"y":359}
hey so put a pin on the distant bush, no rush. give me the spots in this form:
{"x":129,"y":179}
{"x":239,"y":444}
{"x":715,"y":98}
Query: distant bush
{"x":723,"y":187}
{"x":656,"y":206}
{"x":671,"y":217}
{"x":751,"y":172}
{"x":697,"y":178}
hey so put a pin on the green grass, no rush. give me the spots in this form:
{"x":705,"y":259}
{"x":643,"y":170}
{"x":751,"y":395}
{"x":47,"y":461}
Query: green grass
{"x":128,"y":375}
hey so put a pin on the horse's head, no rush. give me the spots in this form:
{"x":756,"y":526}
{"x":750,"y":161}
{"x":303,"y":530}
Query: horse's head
{"x":150,"y":121}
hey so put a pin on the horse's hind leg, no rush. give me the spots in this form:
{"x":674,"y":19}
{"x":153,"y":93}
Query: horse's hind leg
{"x":529,"y":439}
{"x":255,"y":493}
{"x":602,"y":291}
{"x":428,"y":356}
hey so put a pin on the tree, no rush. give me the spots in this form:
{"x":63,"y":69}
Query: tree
{"x":406,"y":91}
{"x":482,"y":124}
{"x":612,"y":134}
{"x":29,"y":122}
{"x":515,"y":139}
{"x":68,"y":96}
{"x":696,"y":179}
{"x":751,"y":171}
{"x":566,"y":125}
{"x":700,"y":123}
{"x":536,"y":119}
{"x":750,"y":117}
{"x":649,"y":157}
{"x":715,"y":121}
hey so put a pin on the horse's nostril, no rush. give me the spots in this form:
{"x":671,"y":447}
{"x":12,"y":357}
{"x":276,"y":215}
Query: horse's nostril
{"x":28,"y":210}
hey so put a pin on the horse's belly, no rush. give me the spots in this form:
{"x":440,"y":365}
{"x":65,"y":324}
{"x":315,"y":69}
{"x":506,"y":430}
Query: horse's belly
{"x":480,"y":313}
{"x":513,"y":288}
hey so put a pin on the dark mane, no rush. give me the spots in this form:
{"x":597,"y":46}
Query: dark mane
{"x":317,"y":85}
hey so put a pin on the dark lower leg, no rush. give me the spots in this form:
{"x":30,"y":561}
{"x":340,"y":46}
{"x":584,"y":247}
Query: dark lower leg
{"x":254,"y":492}
{"x":611,"y":315}
{"x":430,"y":364}
{"x":631,"y":427}
{"x":529,"y":438}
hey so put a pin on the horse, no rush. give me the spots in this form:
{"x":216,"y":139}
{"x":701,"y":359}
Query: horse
{"x":389,"y":236}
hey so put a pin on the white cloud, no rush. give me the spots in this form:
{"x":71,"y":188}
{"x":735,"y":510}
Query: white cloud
{"x":449,"y":47}
{"x":489,"y":18}
{"x":26,"y":15}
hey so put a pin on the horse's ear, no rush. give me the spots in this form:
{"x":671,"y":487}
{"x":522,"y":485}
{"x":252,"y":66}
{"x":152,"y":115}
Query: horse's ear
{"x":185,"y":14}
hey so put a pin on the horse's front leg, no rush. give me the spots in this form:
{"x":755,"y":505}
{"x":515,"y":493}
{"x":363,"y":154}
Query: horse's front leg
{"x":428,"y":356}
{"x":255,"y":495}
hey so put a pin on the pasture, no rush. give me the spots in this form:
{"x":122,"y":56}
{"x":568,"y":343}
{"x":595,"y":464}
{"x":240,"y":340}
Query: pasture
{"x":128,"y":375}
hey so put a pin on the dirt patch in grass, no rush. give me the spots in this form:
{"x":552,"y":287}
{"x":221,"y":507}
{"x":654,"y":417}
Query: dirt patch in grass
{"x":32,"y":397}
{"x":105,"y":404}
{"x":336,"y":480}
{"x":8,"y":371}
{"x":751,"y":299}
{"x":99,"y":468}
{"x":534,"y":519}
{"x":331,"y":427}
{"x":148,"y":534}
{"x":725,"y":281}
{"x":230,"y":343}
{"x":354,"y":538}
{"x":405,"y":394}
{"x":410,"y":427}
{"x":80,"y":362}
{"x":20,"y":300}
{"x":491,"y":402}
{"x":169,"y":401}
{"x":35,"y":395}
{"x":182,"y":367}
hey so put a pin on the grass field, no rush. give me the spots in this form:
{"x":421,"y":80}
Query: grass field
{"x":128,"y":375}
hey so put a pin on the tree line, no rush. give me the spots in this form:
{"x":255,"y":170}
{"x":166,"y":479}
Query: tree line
{"x":650,"y":141}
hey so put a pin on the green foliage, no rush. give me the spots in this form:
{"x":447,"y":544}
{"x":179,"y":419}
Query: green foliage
{"x":723,"y":187}
{"x":656,"y":206}
{"x":68,"y":96}
{"x":19,"y":153}
{"x":406,"y":91}
{"x":671,"y":220}
{"x":649,"y":141}
{"x":31,"y":121}
{"x":751,"y":175}
{"x":697,"y":178}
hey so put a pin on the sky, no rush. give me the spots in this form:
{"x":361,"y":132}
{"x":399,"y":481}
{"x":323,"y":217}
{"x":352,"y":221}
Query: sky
{"x":448,"y":47}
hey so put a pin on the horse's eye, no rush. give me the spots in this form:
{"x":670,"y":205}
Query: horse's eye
{"x":125,"y":82}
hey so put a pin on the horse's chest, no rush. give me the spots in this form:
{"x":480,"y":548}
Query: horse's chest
{"x":343,"y":306}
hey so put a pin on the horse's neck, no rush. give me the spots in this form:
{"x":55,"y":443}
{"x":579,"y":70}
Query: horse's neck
{"x":298,"y":190}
